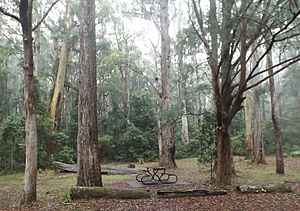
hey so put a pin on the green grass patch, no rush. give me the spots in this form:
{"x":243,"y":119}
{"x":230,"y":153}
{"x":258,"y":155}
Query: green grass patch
{"x":10,"y":181}
{"x":295,"y":154}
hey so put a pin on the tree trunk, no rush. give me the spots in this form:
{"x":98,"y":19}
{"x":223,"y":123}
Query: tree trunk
{"x":257,"y":150}
{"x":87,"y":139}
{"x":56,"y":99}
{"x":29,"y":194}
{"x":224,"y":170}
{"x":275,"y":118}
{"x":182,"y":96}
{"x":167,"y":158}
{"x":257,"y":128}
{"x":249,"y":138}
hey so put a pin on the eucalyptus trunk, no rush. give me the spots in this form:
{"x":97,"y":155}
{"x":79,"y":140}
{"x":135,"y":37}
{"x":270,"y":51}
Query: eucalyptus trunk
{"x":167,"y":157}
{"x":249,"y":137}
{"x":89,"y":173}
{"x":224,"y":168}
{"x":257,"y":127}
{"x":57,"y":96}
{"x":275,"y":118}
{"x":182,"y":96}
{"x":29,"y":194}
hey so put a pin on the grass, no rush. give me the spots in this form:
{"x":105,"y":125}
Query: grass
{"x":53,"y":188}
{"x":265,"y":173}
{"x":12,"y":180}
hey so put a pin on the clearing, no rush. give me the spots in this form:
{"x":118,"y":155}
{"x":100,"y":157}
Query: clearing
{"x":53,"y":189}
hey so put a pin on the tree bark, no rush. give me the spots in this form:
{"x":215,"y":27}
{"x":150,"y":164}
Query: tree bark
{"x":275,"y":118}
{"x":29,"y":194}
{"x":224,"y":170}
{"x":56,"y":99}
{"x":182,"y":96}
{"x":167,"y":158}
{"x":249,"y":137}
{"x":89,"y":173}
{"x":257,"y":128}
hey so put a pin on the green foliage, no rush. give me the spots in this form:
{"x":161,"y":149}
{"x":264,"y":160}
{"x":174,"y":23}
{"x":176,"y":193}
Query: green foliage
{"x":66,"y":197}
{"x":51,"y":146}
{"x":189,"y":150}
{"x":142,"y":114}
{"x":107,"y":148}
{"x":238,"y":134}
{"x":295,"y":154}
{"x":132,"y":142}
{"x":288,"y":148}
{"x":135,"y":145}
{"x":238,"y":144}
{"x":12,"y":151}
{"x":207,"y":151}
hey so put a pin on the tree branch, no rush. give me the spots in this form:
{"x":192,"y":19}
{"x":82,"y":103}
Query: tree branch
{"x":45,"y":15}
{"x":293,"y":61}
{"x":10,"y":15}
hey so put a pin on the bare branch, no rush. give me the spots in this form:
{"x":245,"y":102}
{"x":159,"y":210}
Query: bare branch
{"x":10,"y":15}
{"x":45,"y":15}
{"x":200,"y":23}
{"x":271,"y":44}
{"x":292,"y":61}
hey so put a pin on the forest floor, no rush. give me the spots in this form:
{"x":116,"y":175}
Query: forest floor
{"x":53,"y":190}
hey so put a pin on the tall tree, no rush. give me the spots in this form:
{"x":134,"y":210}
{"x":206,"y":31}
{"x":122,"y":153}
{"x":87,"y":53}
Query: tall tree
{"x":182,"y":92}
{"x":25,"y":19}
{"x":57,"y":96}
{"x":275,"y":117}
{"x":231,"y":31}
{"x":167,"y":155}
{"x":89,"y":173}
{"x":25,"y":12}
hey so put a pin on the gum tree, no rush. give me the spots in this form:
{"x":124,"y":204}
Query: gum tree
{"x":231,"y":31}
{"x":25,"y":20}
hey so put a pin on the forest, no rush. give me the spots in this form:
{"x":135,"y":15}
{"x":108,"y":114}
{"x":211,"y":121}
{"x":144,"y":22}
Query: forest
{"x":137,"y":81}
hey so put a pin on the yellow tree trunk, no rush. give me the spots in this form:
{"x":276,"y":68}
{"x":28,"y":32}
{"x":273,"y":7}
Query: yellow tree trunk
{"x":56,"y":99}
{"x":59,"y":86}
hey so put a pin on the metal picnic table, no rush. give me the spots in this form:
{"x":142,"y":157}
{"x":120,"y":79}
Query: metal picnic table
{"x":155,"y":175}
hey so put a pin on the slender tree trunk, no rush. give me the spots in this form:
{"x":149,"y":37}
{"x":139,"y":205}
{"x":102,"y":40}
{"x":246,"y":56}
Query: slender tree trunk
{"x":249,"y":137}
{"x":89,"y":173}
{"x":275,"y":119}
{"x":182,"y":96}
{"x":29,"y":194}
{"x":57,"y":96}
{"x":167,"y":158}
{"x":126,"y":93}
{"x":56,"y":100}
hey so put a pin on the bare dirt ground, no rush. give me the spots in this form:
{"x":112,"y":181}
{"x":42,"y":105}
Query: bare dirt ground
{"x":50,"y":198}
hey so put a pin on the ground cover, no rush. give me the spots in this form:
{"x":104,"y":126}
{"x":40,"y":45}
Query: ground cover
{"x":53,"y":189}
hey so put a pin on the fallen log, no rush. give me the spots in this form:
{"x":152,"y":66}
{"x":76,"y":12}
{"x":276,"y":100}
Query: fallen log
{"x":64,"y":166}
{"x":271,"y":188}
{"x":106,"y":170}
{"x":79,"y":192}
{"x":189,"y":193}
